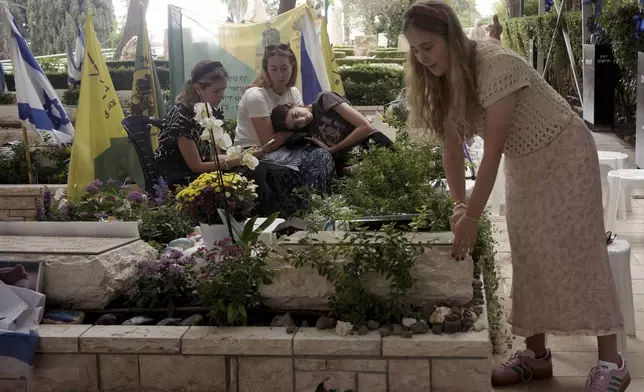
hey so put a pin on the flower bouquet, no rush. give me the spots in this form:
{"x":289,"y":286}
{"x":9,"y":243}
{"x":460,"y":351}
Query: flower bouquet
{"x":213,"y":191}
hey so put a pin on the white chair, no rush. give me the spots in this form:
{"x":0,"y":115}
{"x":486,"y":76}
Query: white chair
{"x":619,"y":254}
{"x":619,"y":181}
{"x":497,"y":198}
{"x":611,"y":160}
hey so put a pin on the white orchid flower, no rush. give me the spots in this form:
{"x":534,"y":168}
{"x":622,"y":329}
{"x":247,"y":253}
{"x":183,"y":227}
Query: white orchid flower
{"x":201,"y":111}
{"x":250,"y":161}
{"x":223,"y":141}
{"x":234,"y":152}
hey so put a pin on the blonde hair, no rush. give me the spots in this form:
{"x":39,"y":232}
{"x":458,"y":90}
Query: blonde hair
{"x":442,"y":103}
{"x":204,"y":74}
{"x":284,"y":50}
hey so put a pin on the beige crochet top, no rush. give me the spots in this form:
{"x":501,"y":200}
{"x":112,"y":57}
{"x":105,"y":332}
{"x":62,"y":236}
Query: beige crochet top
{"x":540,"y":113}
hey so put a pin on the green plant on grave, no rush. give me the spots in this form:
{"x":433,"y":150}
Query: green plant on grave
{"x":388,"y":253}
{"x":389,"y":182}
{"x":434,"y":215}
{"x":396,"y":117}
{"x":322,"y":208}
{"x":230,"y":281}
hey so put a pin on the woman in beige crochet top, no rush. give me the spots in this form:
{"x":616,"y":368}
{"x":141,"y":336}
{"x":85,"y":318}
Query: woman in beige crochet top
{"x":562,"y":282}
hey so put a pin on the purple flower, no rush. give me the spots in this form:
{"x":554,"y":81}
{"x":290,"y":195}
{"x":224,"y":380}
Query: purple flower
{"x":173,"y":255}
{"x":164,"y":264}
{"x":94,"y":186}
{"x":175,"y":269}
{"x":138,"y":197}
{"x":160,"y":191}
{"x":152,"y":268}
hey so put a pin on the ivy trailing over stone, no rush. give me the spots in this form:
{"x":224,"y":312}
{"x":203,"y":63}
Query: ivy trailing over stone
{"x":388,"y":253}
{"x":484,"y":255}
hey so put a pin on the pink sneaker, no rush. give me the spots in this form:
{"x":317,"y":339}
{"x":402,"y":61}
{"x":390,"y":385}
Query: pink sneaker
{"x":608,"y":377}
{"x":520,"y":367}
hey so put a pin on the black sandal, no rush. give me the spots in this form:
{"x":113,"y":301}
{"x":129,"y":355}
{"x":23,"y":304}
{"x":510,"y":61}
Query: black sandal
{"x":610,"y":237}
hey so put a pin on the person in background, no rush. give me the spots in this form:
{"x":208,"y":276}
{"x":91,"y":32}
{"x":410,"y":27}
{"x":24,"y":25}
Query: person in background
{"x":331,"y":123}
{"x":182,"y":154}
{"x":285,"y":169}
{"x":561,"y":277}
{"x":477,"y":31}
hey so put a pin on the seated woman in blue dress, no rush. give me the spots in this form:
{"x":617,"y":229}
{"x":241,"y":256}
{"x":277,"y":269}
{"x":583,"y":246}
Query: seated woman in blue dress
{"x":331,"y":123}
{"x":182,"y":155}
{"x":286,"y":166}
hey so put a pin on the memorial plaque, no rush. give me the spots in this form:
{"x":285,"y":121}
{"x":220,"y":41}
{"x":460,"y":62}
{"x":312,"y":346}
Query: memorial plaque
{"x":60,"y":245}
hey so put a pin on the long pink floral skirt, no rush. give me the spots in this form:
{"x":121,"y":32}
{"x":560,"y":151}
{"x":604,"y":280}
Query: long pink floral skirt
{"x":561,"y":277}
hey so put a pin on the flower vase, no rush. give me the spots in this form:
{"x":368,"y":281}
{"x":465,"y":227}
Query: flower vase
{"x":211,"y":234}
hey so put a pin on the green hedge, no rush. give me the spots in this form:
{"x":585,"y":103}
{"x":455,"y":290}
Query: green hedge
{"x":349,"y":50}
{"x":388,"y":54}
{"x":130,"y":64}
{"x":367,"y":85}
{"x":400,"y":61}
{"x":122,"y":77}
{"x":339,"y":55}
{"x":616,"y":20}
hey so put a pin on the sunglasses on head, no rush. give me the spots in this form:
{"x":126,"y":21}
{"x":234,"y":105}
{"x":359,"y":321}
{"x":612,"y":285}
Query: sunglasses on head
{"x":272,"y":48}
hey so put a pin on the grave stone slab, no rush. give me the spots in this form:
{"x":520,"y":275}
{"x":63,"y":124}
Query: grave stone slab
{"x":80,"y":272}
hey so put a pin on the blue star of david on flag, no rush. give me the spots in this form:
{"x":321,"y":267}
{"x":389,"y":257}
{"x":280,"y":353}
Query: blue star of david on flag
{"x":38,"y":105}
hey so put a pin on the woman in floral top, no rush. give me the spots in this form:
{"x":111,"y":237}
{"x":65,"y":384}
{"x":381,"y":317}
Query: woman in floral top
{"x":182,"y":154}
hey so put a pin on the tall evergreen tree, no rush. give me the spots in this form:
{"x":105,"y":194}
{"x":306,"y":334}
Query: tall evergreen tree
{"x":53,"y":23}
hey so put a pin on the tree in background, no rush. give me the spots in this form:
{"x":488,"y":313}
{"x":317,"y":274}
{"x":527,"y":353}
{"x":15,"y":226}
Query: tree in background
{"x":386,"y":16}
{"x":136,"y":10}
{"x":271,"y":7}
{"x":53,"y":24}
{"x":18,"y":9}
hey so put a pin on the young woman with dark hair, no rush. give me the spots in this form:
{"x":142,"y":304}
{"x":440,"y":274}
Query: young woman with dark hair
{"x":331,"y":123}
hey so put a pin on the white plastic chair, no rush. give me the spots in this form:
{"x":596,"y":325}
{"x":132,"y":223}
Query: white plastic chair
{"x":619,"y":254}
{"x":612,"y":160}
{"x":619,"y":182}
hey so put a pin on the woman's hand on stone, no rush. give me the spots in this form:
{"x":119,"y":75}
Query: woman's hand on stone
{"x":465,"y":233}
{"x":457,"y":212}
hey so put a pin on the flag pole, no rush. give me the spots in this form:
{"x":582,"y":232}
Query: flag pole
{"x":25,"y":140}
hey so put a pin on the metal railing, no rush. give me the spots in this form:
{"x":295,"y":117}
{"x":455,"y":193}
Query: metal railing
{"x":57,"y":62}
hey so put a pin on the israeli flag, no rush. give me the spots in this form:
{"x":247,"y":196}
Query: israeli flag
{"x":3,"y":83}
{"x":75,"y":59}
{"x":314,"y":74}
{"x":38,"y":105}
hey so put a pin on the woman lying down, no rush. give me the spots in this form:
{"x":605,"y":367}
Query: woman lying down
{"x":330,"y":122}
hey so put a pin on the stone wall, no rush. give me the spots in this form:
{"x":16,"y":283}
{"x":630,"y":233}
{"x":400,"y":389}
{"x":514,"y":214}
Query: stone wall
{"x":18,"y":202}
{"x":251,"y":359}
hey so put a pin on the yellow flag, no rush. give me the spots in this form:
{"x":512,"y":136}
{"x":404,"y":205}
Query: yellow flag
{"x":335,"y":80}
{"x":147,"y":97}
{"x":101,"y":149}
